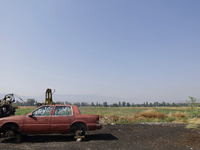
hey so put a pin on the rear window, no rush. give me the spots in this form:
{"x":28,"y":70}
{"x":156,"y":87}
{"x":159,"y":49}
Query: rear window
{"x":63,"y":111}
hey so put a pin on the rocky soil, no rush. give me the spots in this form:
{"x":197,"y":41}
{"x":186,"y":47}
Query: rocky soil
{"x":161,"y":136}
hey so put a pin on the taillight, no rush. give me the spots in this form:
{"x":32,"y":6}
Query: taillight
{"x":97,"y":121}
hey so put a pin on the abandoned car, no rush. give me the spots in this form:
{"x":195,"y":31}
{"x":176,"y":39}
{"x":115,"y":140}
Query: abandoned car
{"x":66,"y":119}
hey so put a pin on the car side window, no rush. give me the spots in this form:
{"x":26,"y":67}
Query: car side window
{"x":63,"y":111}
{"x":42,"y":111}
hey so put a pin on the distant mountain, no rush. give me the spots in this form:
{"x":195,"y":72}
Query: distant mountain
{"x":83,"y":98}
{"x":89,"y":98}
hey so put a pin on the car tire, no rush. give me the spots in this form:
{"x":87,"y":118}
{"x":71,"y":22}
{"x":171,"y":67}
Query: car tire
{"x":78,"y":133}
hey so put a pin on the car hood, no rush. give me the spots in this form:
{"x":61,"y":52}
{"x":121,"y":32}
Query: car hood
{"x":12,"y":118}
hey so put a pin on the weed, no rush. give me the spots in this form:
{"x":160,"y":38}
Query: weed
{"x":193,"y":111}
{"x":192,"y":126}
{"x":124,"y":120}
{"x":170,"y":119}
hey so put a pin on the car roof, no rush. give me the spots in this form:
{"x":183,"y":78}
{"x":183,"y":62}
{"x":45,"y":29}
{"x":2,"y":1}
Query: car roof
{"x":58,"y":105}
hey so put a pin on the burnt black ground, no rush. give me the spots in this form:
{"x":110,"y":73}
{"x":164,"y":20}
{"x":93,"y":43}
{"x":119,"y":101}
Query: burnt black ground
{"x":132,"y":136}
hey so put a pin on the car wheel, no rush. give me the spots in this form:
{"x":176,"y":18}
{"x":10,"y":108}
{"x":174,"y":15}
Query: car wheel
{"x":78,"y":133}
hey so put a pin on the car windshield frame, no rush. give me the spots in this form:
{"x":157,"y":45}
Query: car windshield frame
{"x":79,"y":110}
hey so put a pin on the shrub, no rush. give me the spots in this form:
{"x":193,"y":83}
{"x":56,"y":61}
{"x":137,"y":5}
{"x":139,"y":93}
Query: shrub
{"x":124,"y":120}
{"x":152,"y":114}
{"x":160,"y":115}
{"x":193,"y":110}
{"x":132,"y":118}
{"x":170,"y":119}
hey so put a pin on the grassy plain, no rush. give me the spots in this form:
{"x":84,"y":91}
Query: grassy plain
{"x":128,"y":111}
{"x":126,"y":115}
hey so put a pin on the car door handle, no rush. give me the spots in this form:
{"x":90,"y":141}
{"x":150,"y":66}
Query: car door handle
{"x":45,"y":119}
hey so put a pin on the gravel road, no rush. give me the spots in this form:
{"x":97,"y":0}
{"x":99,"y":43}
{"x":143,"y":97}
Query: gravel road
{"x":161,"y":136}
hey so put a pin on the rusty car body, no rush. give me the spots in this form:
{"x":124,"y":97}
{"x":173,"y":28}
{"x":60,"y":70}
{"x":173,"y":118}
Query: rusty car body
{"x":50,"y":119}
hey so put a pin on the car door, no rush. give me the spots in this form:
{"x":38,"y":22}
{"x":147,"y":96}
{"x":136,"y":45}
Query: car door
{"x":61,"y":119}
{"x":39,"y":122}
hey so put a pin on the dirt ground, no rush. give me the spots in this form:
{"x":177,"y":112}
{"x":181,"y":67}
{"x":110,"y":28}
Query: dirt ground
{"x":133,"y":136}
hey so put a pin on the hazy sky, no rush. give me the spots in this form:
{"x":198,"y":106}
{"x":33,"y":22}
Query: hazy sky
{"x":139,"y":49}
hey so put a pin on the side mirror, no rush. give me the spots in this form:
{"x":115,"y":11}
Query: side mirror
{"x":30,"y":115}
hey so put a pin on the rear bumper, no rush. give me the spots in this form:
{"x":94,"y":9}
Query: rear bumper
{"x":98,"y":126}
{"x":94,"y":126}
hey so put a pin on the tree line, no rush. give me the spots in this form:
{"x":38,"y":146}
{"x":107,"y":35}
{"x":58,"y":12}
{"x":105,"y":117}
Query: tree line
{"x":125,"y":104}
{"x":29,"y":102}
{"x":32,"y":102}
{"x":128,"y":104}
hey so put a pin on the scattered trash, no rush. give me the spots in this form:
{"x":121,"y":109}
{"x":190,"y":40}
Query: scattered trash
{"x":6,"y":108}
{"x":79,"y":140}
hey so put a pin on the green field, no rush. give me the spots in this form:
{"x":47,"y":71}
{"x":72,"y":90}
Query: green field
{"x":23,"y":111}
{"x":126,"y":115}
{"x":120,"y":111}
{"x":127,"y":111}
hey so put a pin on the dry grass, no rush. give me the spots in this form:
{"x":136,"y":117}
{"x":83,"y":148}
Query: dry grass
{"x":146,"y":116}
{"x":172,"y":108}
{"x":158,"y":108}
{"x":101,"y":115}
{"x":194,"y":121}
{"x":114,"y":118}
{"x":151,"y":113}
{"x":178,"y":115}
{"x":143,"y":116}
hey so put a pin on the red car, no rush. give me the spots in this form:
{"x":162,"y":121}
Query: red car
{"x":50,"y":119}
